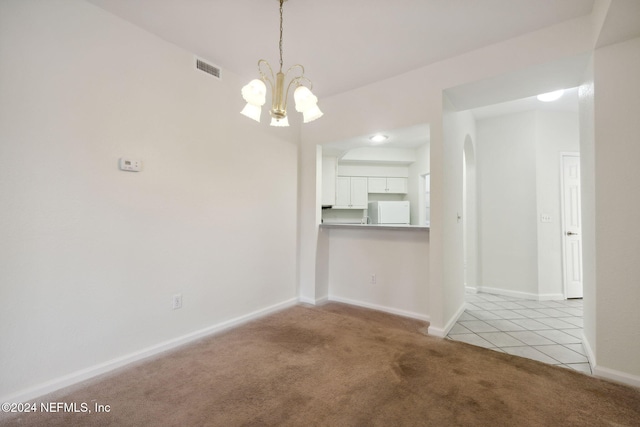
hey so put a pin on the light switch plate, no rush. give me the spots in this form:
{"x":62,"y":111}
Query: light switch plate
{"x":130,"y":165}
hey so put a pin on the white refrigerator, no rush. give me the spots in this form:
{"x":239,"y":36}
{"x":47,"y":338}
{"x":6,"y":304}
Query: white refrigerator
{"x":389,"y":212}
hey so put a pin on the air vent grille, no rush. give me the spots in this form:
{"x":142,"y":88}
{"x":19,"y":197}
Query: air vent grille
{"x":208,"y":68}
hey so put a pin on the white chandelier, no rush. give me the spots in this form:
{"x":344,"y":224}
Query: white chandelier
{"x":256,"y":91}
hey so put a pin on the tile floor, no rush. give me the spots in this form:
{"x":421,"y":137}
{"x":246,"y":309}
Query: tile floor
{"x":547,"y":331}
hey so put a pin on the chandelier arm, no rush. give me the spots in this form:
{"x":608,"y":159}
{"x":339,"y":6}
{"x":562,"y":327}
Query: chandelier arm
{"x":295,"y":66}
{"x":297,"y":79}
{"x":265,"y":77}
{"x":309,"y":82}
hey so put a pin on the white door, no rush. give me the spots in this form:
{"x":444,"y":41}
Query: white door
{"x":571,"y":226}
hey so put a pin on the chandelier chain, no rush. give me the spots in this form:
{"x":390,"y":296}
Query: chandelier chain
{"x":281,"y":3}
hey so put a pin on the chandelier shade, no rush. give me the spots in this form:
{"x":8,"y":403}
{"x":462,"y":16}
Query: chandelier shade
{"x":252,"y":111}
{"x":255,"y":92}
{"x":311,"y":114}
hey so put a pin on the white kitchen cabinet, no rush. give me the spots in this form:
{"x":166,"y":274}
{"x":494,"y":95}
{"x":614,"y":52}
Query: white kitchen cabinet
{"x":377,"y":185}
{"x":351,"y":193}
{"x":387,"y":185}
{"x":397,"y":185}
{"x":329,"y":165}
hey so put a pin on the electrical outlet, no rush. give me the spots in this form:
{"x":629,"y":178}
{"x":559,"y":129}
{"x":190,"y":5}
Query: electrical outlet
{"x":373,"y":279}
{"x":176,"y":301}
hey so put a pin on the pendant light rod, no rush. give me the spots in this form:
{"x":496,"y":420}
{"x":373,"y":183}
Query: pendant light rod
{"x":281,"y":27}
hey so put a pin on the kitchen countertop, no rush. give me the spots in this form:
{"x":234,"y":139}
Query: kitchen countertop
{"x":376,"y":226}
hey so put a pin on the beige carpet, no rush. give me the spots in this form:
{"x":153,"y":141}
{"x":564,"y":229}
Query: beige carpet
{"x":339,"y":365}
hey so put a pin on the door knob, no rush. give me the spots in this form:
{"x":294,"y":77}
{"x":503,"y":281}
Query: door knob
{"x":571,"y":233}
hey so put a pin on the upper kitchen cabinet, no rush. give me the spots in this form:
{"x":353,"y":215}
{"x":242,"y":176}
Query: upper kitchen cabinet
{"x":351,"y":193}
{"x":329,"y":169}
{"x":388,"y":185}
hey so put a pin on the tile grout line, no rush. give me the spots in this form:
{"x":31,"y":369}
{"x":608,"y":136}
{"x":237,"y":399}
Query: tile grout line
{"x":485,"y":304}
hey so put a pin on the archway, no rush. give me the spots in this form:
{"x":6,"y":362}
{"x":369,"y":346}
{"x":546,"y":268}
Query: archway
{"x":469,"y":215}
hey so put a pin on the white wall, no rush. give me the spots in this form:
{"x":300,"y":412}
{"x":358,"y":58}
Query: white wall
{"x":398,"y":258}
{"x":617,"y":186}
{"x":371,"y":169}
{"x":588,"y":200}
{"x":470,"y":215}
{"x":90,"y":256}
{"x":380,"y":154}
{"x":458,"y":127}
{"x":507,"y":203}
{"x":519,"y":170}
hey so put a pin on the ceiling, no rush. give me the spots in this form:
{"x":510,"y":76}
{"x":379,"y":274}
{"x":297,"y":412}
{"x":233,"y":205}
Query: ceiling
{"x":342,"y":44}
{"x":416,"y":136}
{"x":348,"y":44}
{"x":409,"y":137}
{"x":567,"y":103}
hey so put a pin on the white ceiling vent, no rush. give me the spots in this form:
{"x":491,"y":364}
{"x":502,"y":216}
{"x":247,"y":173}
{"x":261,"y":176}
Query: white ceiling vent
{"x":208,"y":68}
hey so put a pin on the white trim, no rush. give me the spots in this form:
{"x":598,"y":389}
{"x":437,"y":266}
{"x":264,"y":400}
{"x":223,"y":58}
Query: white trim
{"x":391,"y":310}
{"x":587,"y":348}
{"x":87,"y":373}
{"x":311,"y":301}
{"x":616,"y":376}
{"x":322,"y":300}
{"x":443,"y":332}
{"x":471,"y":289}
{"x":607,"y":373}
{"x":306,"y":300}
{"x":550,"y":297}
{"x":518,"y":294}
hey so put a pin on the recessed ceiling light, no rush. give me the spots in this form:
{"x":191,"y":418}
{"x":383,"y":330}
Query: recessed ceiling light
{"x":551,"y":96}
{"x":378,"y":138}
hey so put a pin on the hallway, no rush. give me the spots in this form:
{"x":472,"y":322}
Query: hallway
{"x":547,"y":331}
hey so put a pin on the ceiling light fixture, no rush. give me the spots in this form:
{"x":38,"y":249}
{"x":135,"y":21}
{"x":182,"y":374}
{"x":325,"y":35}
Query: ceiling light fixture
{"x":256,"y":91}
{"x":551,"y":96}
{"x":378,"y":138}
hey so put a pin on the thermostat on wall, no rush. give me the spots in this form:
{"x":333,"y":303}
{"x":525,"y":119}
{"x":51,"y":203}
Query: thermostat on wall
{"x":130,"y":165}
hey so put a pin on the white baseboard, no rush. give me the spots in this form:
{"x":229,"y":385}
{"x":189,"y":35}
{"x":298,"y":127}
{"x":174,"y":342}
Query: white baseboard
{"x":391,"y":310}
{"x":589,"y":350}
{"x":550,"y":297}
{"x":616,"y":376}
{"x":322,"y":300}
{"x":518,"y":294}
{"x":606,"y":373}
{"x":307,"y":300}
{"x":318,"y":301}
{"x":443,"y":332}
{"x":471,"y":289}
{"x":87,"y":373}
